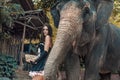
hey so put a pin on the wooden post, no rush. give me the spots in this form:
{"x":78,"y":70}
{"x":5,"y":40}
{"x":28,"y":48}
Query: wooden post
{"x":22,"y":48}
{"x":0,"y":28}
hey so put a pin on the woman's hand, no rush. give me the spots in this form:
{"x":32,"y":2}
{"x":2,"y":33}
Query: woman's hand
{"x":31,"y":60}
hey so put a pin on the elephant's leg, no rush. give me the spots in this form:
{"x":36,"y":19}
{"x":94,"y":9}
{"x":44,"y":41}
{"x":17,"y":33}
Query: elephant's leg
{"x":72,"y":66}
{"x":105,"y":76}
{"x":94,"y":60}
{"x":91,"y":70}
{"x":119,"y":73}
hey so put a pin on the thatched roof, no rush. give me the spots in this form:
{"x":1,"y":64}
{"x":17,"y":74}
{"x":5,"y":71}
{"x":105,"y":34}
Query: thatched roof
{"x":26,"y":4}
{"x":32,"y":19}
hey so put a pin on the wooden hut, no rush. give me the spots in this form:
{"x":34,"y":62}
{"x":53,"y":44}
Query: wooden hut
{"x":26,"y":25}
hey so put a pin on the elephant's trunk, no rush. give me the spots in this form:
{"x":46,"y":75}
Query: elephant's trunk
{"x":69,"y":26}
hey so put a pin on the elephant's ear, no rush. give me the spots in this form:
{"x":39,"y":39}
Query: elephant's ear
{"x":55,"y":15}
{"x":55,"y":12}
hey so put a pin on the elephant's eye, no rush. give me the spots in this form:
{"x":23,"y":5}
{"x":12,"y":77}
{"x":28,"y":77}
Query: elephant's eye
{"x":86,"y":13}
{"x":87,"y":10}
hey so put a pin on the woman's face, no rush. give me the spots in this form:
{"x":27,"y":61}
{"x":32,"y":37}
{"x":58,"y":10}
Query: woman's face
{"x":45,"y":30}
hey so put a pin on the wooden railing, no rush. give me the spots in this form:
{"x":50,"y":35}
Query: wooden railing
{"x":11,"y":47}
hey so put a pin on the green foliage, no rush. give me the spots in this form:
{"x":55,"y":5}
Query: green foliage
{"x":44,"y":4}
{"x":5,"y":16}
{"x":7,"y":66}
{"x":9,"y":12}
{"x":115,"y":17}
{"x":4,"y":35}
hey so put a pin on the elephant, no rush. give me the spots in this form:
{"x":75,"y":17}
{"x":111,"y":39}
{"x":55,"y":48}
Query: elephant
{"x":83,"y":31}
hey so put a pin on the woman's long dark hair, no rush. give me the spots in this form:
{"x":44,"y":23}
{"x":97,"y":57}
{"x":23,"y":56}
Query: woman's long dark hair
{"x":42,"y":38}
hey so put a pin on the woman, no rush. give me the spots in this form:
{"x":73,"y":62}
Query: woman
{"x":45,"y":47}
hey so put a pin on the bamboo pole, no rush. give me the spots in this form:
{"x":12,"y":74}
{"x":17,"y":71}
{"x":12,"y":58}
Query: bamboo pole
{"x":22,"y":47}
{"x":0,"y":47}
{"x":0,"y":28}
{"x":24,"y":24}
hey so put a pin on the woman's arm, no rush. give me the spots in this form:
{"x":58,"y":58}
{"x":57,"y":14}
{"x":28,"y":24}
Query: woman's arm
{"x":46,"y":48}
{"x":47,"y":43}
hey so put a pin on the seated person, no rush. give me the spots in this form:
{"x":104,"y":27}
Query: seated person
{"x":45,"y":47}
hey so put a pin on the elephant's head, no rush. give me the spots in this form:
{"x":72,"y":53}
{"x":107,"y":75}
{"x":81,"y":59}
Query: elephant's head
{"x":73,"y":16}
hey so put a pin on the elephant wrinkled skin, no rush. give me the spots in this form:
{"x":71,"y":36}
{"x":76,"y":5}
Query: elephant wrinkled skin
{"x":84,"y":22}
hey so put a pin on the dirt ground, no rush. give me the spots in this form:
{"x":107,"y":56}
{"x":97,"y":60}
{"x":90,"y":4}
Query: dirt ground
{"x":113,"y":76}
{"x":23,"y":75}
